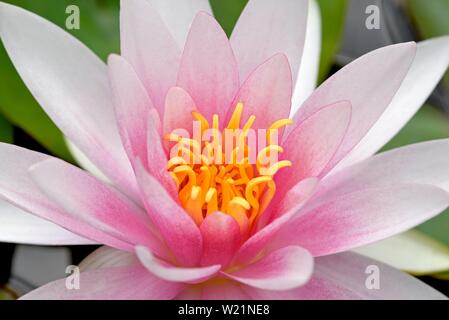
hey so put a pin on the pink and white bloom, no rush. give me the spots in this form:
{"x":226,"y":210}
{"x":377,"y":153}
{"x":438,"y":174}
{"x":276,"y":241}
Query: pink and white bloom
{"x":284,"y":238}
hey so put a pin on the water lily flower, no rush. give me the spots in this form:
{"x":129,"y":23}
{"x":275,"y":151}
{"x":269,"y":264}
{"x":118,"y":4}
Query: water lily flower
{"x":175,"y":230}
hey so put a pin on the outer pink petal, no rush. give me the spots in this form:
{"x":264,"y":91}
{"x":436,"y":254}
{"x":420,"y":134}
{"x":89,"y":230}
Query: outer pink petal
{"x":18,"y":226}
{"x":178,"y":111}
{"x":107,"y":257}
{"x":71,"y":84}
{"x":208,"y":68}
{"x":267,"y":92}
{"x":294,"y":200}
{"x":17,"y":187}
{"x":370,"y":84}
{"x":177,"y":228}
{"x":283,"y":269}
{"x":148,"y":45}
{"x":429,"y":65}
{"x":422,"y":163}
{"x":139,"y":122}
{"x":170,"y":272}
{"x":342,"y":222}
{"x":132,"y":106}
{"x":122,"y":283}
{"x":87,"y":199}
{"x":221,"y":239}
{"x":345,"y":276}
{"x":178,"y":15}
{"x":267,"y":27}
{"x":313,"y":143}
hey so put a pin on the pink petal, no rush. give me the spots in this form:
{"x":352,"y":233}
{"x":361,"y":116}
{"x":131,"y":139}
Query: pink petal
{"x":294,"y":200}
{"x":267,"y":92}
{"x":18,"y":226}
{"x":421,"y":163}
{"x":215,"y":290}
{"x":132,"y":106}
{"x":177,"y":228}
{"x":107,"y":257}
{"x":313,"y":143}
{"x":178,"y":15}
{"x":157,"y":158}
{"x":71,"y":84}
{"x":332,"y":224}
{"x":283,"y":269}
{"x":178,"y":111}
{"x":267,"y":27}
{"x":17,"y":187}
{"x":139,"y":122}
{"x":208,"y":68}
{"x":148,"y":45}
{"x":123,"y":283}
{"x":224,"y":291}
{"x":83,"y":162}
{"x":221,"y":239}
{"x":345,"y":275}
{"x":87,"y":199}
{"x":369,"y":83}
{"x":169,"y":272}
{"x":429,"y":65}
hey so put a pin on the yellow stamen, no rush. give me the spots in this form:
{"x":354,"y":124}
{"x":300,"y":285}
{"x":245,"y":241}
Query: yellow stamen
{"x":251,"y":188}
{"x":271,"y":171}
{"x":234,"y":123}
{"x":248,"y":125}
{"x":274,"y":128}
{"x":234,"y":185}
{"x":215,"y":122}
{"x":264,"y":154}
{"x":199,"y":117}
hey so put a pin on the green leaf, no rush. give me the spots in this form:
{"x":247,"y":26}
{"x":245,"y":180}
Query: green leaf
{"x":428,"y":124}
{"x":227,"y":12}
{"x":6,"y":131}
{"x":442,"y":276}
{"x":431,"y":19}
{"x":430,"y":16}
{"x":333,"y":15}
{"x":6,"y":295}
{"x":99,"y":30}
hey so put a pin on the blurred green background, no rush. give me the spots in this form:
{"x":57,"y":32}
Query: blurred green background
{"x":23,"y":122}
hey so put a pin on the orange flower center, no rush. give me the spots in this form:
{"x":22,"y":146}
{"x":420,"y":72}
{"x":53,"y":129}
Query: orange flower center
{"x":224,"y":173}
